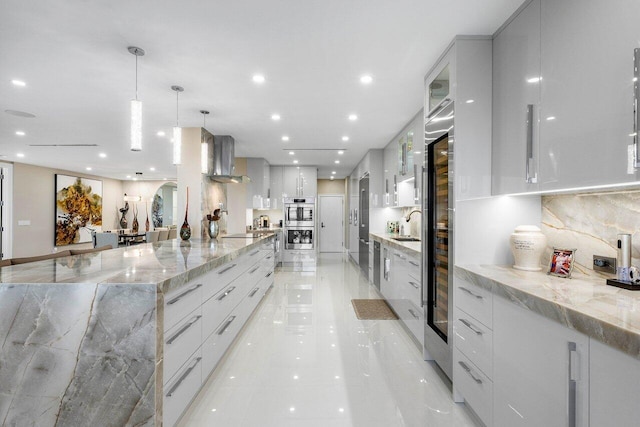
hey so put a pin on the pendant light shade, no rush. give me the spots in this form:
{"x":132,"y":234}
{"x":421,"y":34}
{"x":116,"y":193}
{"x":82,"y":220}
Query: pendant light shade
{"x":204,"y":146}
{"x":136,"y":107}
{"x":177,"y":131}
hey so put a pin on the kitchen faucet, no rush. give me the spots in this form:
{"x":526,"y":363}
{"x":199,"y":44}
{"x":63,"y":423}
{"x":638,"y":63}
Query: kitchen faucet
{"x":412,"y":212}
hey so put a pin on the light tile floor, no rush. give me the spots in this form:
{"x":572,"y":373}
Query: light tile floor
{"x":304,"y":359}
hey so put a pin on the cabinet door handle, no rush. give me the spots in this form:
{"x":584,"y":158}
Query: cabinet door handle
{"x":531,"y":177}
{"x":470,"y":293}
{"x":415,"y":264}
{"x":471,"y":326}
{"x":224,"y":270}
{"x":469,"y":371}
{"x":413,"y":313}
{"x":226,"y":293}
{"x":414,"y":284}
{"x":573,"y":355}
{"x":183,"y":377}
{"x":183,"y":329}
{"x":636,"y":101}
{"x":188,"y":291}
{"x":226,"y":325}
{"x":253,"y":292}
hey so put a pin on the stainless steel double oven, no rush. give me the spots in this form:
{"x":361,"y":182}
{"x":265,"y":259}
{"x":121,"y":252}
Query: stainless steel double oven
{"x":299,"y":223}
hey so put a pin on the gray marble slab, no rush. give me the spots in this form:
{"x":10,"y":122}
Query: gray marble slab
{"x":410,"y":248}
{"x":583,"y":303}
{"x":81,"y":336}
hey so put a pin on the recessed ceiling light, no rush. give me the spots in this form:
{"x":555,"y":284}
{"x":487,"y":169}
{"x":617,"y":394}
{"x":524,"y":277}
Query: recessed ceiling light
{"x":333,"y":172}
{"x":18,"y":83}
{"x":103,"y":155}
{"x":366,"y":79}
{"x":20,"y":154}
{"x":470,"y":101}
{"x":337,"y":162}
{"x":152,"y":169}
{"x":275,"y":117}
{"x":295,"y":162}
{"x":353,"y":117}
{"x":20,"y":133}
{"x":258,"y":78}
{"x":285,"y":138}
{"x":345,"y":138}
{"x":160,"y":133}
{"x":88,"y":168}
{"x":340,"y":152}
{"x":291,"y":153}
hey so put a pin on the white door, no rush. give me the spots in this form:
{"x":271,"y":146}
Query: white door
{"x":331,"y":223}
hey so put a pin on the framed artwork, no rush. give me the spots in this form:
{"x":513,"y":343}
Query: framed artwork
{"x":78,"y":209}
{"x":562,"y":262}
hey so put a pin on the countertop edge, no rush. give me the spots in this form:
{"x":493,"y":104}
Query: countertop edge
{"x":615,"y":336}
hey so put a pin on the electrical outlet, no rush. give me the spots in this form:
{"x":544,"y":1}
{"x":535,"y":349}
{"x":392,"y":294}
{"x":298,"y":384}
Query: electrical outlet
{"x":604,"y":264}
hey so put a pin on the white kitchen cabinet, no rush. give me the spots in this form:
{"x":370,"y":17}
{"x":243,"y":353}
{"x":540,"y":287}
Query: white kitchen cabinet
{"x":300,"y":181}
{"x":258,"y":189}
{"x":516,"y":103}
{"x":614,"y":386}
{"x":540,"y":371}
{"x":276,"y":175}
{"x":586,"y":113}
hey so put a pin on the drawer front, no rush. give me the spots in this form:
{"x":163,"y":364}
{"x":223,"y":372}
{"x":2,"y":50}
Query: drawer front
{"x":179,"y":303}
{"x":474,"y":340}
{"x":181,"y":389}
{"x":223,"y":275}
{"x":214,"y":347}
{"x":216,"y":309}
{"x":474,"y":386}
{"x":181,"y":341}
{"x":475,"y":301}
{"x":413,"y":267}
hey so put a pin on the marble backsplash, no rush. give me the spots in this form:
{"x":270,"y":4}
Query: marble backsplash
{"x":590,"y":223}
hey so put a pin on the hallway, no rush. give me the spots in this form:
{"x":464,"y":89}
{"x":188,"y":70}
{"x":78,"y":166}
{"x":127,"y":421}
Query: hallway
{"x":304,"y":359}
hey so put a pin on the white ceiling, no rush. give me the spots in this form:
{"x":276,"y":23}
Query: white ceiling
{"x":80,"y":77}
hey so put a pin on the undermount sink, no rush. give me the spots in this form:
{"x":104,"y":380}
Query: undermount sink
{"x":406,"y":239}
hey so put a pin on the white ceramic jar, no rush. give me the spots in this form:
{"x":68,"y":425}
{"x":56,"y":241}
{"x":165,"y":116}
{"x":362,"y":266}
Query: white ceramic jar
{"x":527,"y":245}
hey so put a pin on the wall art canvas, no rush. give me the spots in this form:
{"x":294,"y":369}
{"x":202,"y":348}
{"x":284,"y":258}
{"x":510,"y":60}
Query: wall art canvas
{"x":78,"y":209}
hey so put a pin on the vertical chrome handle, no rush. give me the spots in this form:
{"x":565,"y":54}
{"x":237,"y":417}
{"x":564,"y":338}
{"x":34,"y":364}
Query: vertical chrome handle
{"x":531,"y":177}
{"x":403,"y":170}
{"x":573,"y":355}
{"x":636,"y":98}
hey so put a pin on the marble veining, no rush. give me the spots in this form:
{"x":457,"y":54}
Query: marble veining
{"x":81,"y":336}
{"x":410,"y":248}
{"x":583,"y":303}
{"x":591,"y":222}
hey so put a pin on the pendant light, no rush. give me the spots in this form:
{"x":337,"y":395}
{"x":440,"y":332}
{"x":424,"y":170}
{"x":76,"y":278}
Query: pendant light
{"x":177,"y":131}
{"x":136,"y":107}
{"x":204,"y":146}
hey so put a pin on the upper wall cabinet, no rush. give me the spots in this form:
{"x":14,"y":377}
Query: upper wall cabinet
{"x":516,"y":103}
{"x":587,"y":101}
{"x":465,"y":71}
{"x":300,"y":181}
{"x":563,"y":88}
{"x":258,"y":196}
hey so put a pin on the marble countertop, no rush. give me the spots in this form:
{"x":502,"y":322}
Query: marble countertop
{"x":169,"y":263}
{"x":583,"y":303}
{"x":410,"y":248}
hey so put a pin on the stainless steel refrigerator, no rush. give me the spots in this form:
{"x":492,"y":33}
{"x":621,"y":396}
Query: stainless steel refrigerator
{"x":363,"y":231}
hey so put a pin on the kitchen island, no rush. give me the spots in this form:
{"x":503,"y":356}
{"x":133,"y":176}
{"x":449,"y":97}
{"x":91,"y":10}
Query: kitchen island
{"x":110,"y":338}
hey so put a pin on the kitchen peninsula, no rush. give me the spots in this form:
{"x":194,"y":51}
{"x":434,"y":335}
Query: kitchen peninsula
{"x":91,"y":339}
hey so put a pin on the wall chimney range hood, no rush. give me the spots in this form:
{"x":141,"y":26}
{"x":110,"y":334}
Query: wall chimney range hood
{"x":221,"y":159}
